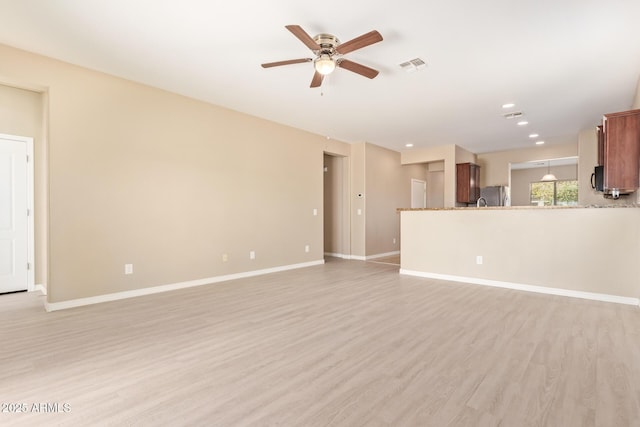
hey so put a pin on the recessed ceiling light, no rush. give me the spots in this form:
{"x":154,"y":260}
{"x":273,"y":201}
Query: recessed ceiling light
{"x":539,"y":142}
{"x":522,"y":123}
{"x":408,"y":145}
{"x":510,"y":105}
{"x":534,"y":135}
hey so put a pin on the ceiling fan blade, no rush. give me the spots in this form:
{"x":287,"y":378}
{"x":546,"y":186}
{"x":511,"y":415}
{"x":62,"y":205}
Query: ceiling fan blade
{"x":303,"y":36}
{"x":317,"y":80}
{"x":359,"y":42}
{"x":289,"y":62}
{"x":358,"y":68}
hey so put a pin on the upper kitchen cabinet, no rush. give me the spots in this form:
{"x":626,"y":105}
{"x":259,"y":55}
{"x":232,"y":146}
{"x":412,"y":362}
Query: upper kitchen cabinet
{"x":600,"y":134}
{"x":467,"y":183}
{"x":619,"y":143}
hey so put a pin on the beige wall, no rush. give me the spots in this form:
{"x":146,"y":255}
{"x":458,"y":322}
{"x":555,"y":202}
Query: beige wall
{"x":447,"y":155}
{"x":465,"y":156}
{"x":388,"y":187}
{"x":22,"y":114}
{"x":435,"y":185}
{"x":139,"y":175}
{"x":636,"y":102}
{"x":589,"y":250}
{"x":495,"y":167}
{"x":357,"y":200}
{"x":522,"y":178}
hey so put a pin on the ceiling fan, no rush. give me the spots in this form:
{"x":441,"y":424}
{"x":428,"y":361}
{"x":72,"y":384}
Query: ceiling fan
{"x":328,"y":53}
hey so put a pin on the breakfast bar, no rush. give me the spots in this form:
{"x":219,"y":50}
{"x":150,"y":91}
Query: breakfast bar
{"x":589,"y":252}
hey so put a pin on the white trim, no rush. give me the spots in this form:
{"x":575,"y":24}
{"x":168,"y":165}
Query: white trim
{"x":382,"y":255}
{"x":31,"y":277}
{"x":366,"y":258}
{"x":41,"y":288}
{"x":343,"y":256}
{"x":528,"y":288}
{"x":30,"y":206}
{"x":54,"y":306}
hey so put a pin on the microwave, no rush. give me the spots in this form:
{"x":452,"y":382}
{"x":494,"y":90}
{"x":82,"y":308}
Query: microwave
{"x":597,"y":178}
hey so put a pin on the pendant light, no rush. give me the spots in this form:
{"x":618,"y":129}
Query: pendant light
{"x":549,"y":176}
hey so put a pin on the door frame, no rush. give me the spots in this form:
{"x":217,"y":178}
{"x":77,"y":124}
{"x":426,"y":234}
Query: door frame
{"x":30,"y":206}
{"x":344,"y":216}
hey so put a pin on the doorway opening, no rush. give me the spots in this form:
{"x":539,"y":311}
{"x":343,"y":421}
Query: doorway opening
{"x":336,"y":225}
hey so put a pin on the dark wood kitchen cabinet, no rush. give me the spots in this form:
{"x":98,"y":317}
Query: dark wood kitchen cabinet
{"x":619,"y":151}
{"x":600,"y":133}
{"x":467,"y":183}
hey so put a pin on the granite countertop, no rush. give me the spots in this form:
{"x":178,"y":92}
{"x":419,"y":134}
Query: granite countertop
{"x":485,"y":208}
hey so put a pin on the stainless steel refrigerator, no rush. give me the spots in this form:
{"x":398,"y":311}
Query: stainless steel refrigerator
{"x":497,"y":195}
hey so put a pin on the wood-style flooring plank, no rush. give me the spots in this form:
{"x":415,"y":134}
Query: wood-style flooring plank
{"x":347,"y":343}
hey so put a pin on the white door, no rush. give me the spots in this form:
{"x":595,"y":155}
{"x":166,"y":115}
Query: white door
{"x":13,"y":215}
{"x":418,"y":193}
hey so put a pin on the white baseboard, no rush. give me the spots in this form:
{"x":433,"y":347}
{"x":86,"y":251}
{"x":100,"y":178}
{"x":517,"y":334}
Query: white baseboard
{"x":528,"y":288}
{"x":54,"y":306}
{"x":41,"y":288}
{"x":343,"y":256}
{"x":376,"y":256}
{"x":362,"y":258}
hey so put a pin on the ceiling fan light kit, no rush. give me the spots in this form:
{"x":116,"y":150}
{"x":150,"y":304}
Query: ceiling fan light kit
{"x":324,"y":64}
{"x":328,"y":53}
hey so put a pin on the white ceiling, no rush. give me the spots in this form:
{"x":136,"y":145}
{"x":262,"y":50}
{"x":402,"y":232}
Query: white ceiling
{"x":563,"y":62}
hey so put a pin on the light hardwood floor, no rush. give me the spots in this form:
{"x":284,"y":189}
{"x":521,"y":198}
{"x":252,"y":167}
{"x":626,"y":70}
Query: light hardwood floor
{"x":348,"y":343}
{"x":393,"y":259}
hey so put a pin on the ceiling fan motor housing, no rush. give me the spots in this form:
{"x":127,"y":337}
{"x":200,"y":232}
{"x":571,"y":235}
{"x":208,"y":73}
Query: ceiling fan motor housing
{"x":327,"y":43}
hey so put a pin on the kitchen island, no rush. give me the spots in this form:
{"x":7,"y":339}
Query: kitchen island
{"x":589,"y":252}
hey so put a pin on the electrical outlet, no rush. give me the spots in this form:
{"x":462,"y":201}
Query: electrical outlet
{"x":225,"y":257}
{"x":252,"y":255}
{"x":479,"y":259}
{"x":128,"y":269}
{"x":394,"y":240}
{"x":315,"y":212}
{"x":306,"y":248}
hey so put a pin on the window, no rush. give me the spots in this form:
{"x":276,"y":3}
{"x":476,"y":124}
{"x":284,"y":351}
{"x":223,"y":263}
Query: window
{"x":554,"y":193}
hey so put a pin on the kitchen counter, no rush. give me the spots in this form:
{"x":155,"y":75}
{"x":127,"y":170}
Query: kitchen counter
{"x":588,"y":251}
{"x":502,"y":208}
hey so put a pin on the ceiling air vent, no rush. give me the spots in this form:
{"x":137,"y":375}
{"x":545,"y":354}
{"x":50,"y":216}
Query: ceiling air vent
{"x":512,"y":115}
{"x":413,"y":65}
